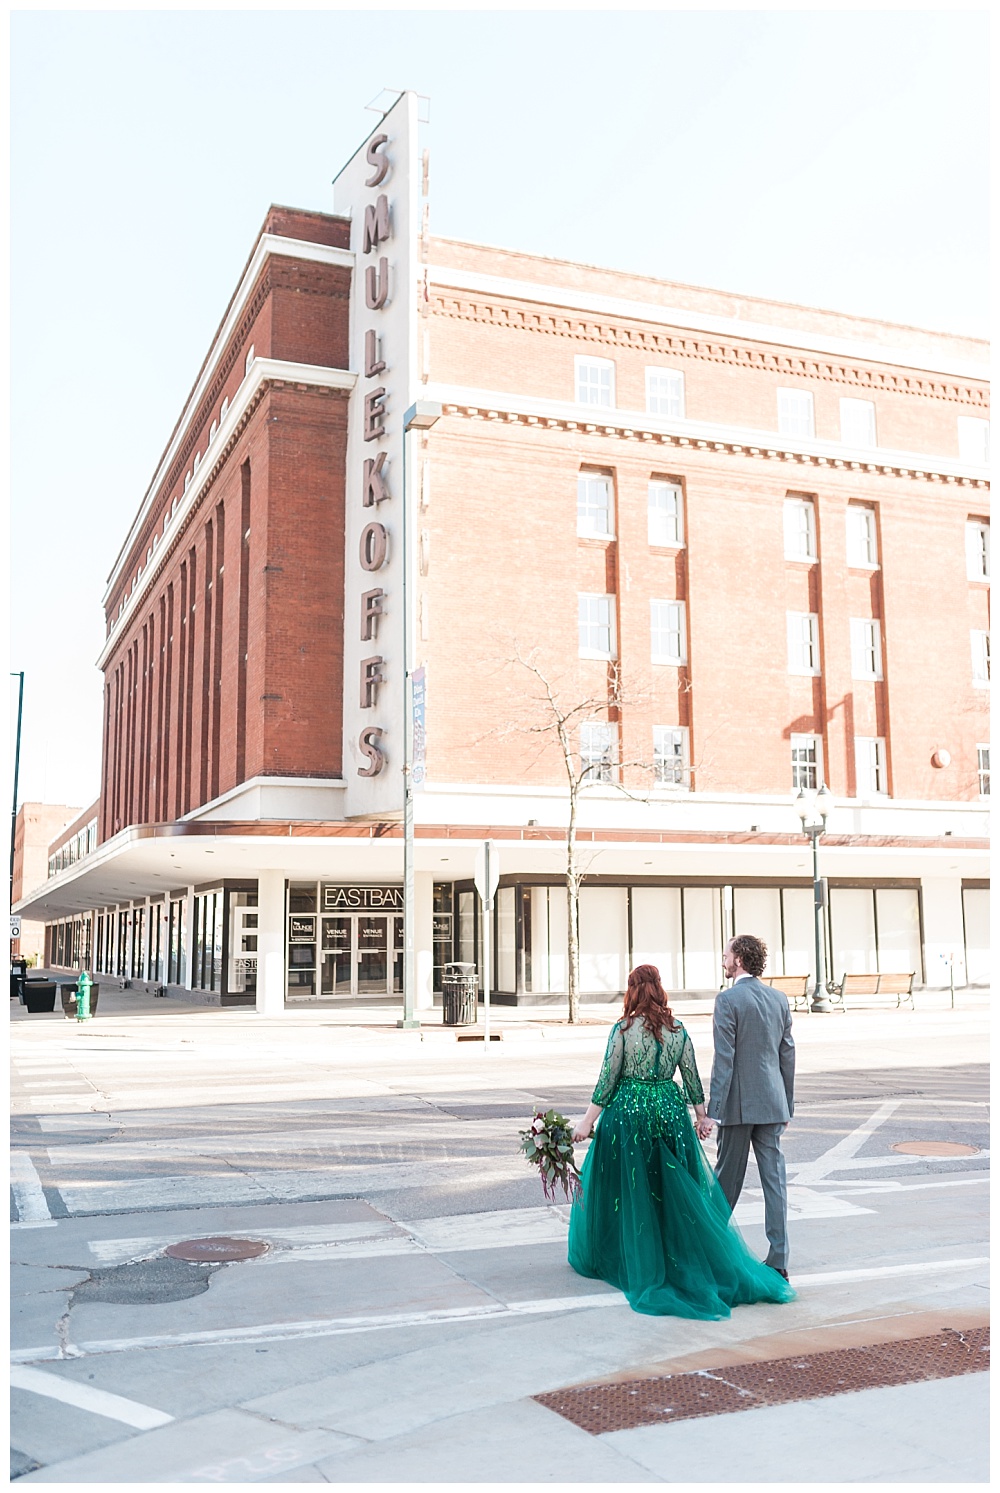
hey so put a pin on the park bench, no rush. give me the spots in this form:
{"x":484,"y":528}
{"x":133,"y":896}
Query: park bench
{"x":796,"y":987}
{"x":900,"y":986}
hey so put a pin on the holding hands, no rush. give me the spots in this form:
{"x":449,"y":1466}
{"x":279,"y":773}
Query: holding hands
{"x":702,"y":1124}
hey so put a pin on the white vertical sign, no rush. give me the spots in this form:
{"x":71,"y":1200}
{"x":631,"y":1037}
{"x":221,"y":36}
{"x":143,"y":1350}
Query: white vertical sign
{"x":379,"y":190}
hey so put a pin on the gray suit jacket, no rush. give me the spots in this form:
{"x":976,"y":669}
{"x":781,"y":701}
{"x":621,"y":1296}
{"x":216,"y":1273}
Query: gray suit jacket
{"x":753,"y":1074}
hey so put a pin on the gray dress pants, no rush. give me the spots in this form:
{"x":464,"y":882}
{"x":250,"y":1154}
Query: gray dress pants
{"x":730,"y":1168}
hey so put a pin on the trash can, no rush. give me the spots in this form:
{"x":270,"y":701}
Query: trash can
{"x":69,"y":994}
{"x":40,"y":995}
{"x":18,"y":972}
{"x":459,"y":989}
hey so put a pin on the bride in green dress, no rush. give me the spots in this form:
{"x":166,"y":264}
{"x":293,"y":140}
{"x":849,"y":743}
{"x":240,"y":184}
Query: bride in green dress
{"x":651,"y":1219}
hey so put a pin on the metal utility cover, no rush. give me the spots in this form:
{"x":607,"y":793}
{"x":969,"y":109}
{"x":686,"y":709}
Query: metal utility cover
{"x":216,"y":1250}
{"x":933,"y":1148}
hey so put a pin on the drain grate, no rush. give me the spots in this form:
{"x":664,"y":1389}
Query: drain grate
{"x":599,"y":1408}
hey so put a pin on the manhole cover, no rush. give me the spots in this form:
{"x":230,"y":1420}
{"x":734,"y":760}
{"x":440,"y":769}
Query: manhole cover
{"x":933,"y":1148}
{"x":216,"y":1249}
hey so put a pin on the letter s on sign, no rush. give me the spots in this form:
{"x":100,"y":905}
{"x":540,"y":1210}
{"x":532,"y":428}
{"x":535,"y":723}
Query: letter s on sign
{"x":374,"y":158}
{"x":370,"y":743}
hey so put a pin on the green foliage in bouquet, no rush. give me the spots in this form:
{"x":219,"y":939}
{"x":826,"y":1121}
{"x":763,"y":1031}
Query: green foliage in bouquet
{"x":548,"y":1144}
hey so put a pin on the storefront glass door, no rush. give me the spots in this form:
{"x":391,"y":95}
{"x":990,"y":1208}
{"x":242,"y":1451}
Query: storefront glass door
{"x":337,"y":956}
{"x":372,"y":955}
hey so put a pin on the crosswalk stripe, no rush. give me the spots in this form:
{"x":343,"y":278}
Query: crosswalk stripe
{"x":85,"y":1397}
{"x":25,"y":1184}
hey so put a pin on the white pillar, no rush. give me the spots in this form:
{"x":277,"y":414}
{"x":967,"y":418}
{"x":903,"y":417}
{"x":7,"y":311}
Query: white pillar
{"x":944,"y":929}
{"x":189,"y":910}
{"x":423,"y":938}
{"x":270,"y":943}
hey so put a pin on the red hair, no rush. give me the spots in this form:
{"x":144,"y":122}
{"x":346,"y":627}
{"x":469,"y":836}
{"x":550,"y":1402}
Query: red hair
{"x":646,"y":1001}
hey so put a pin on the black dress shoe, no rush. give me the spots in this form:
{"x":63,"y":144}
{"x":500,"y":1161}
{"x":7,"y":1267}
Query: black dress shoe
{"x":777,"y":1269}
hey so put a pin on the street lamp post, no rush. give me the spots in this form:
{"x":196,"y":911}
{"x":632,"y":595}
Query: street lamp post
{"x":813,"y":811}
{"x":420,"y":416}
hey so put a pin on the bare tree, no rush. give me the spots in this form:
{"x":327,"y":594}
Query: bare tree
{"x":555,"y":715}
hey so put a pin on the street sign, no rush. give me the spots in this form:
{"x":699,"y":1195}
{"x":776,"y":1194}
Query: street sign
{"x":487,"y":855}
{"x":15,"y":925}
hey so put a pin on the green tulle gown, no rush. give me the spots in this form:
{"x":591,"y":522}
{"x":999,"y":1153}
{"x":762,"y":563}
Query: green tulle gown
{"x":652,"y":1219}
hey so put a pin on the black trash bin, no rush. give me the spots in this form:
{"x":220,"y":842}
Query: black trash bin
{"x":18,"y":972}
{"x":40,"y":995}
{"x":69,"y":993}
{"x":459,"y":990}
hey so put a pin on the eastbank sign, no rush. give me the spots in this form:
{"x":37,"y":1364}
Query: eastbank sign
{"x":378,"y":190}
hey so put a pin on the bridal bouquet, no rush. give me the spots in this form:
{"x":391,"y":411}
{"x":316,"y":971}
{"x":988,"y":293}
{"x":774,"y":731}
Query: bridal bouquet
{"x":548,"y":1144}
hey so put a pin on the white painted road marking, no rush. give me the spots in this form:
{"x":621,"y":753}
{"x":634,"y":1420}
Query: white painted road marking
{"x":84,"y":1397}
{"x":838,"y":1157}
{"x":29,"y":1198}
{"x":342,"y":1326}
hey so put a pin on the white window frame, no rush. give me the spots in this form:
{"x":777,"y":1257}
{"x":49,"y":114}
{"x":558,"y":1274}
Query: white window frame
{"x":655,"y":398}
{"x":973,"y":441}
{"x":672,"y":757}
{"x":871,"y":777}
{"x":249,"y":359}
{"x":670,"y":627}
{"x":587,"y":523}
{"x":857,"y":423}
{"x":803,"y":643}
{"x":659,"y":516}
{"x":866,"y":648}
{"x":862,"y":538}
{"x":796,"y":414}
{"x":983,"y":767}
{"x":979,"y":640}
{"x":977,"y":549}
{"x":798,"y":533}
{"x":586,"y":385}
{"x":802,"y":771}
{"x":597,"y":766}
{"x":584,"y":598}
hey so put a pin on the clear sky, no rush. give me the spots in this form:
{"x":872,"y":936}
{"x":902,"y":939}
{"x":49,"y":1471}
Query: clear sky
{"x":834,"y":158}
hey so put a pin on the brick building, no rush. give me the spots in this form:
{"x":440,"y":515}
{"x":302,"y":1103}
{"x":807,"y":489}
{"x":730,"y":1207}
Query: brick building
{"x":744,"y":544}
{"x":35,"y":826}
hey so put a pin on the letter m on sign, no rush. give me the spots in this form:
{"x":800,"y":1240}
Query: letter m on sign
{"x":376,"y":224}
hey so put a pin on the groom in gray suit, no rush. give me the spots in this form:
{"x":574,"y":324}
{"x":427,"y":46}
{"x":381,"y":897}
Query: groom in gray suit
{"x":753,"y":1077}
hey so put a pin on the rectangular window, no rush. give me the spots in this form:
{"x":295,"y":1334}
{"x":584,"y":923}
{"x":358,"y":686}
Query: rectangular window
{"x":862,"y":538}
{"x":977,"y":549}
{"x":593,"y":506}
{"x":980,"y":656}
{"x":667,"y":626}
{"x":974,"y":441}
{"x":795,"y":413}
{"x":807,"y":762}
{"x":857,"y":422}
{"x":665,"y":392}
{"x":666,"y":513}
{"x":866,"y":648}
{"x":869,"y":765}
{"x":803,"y":642}
{"x":595,"y":382}
{"x":983,"y":766}
{"x":596,"y":626}
{"x":671,"y":759}
{"x":595,"y":751}
{"x":800,"y":529}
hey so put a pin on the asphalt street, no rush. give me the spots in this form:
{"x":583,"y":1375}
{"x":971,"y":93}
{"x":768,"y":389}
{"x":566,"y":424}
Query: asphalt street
{"x":414,"y":1295}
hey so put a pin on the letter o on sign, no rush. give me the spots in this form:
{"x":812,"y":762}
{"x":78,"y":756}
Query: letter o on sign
{"x":374,"y":546}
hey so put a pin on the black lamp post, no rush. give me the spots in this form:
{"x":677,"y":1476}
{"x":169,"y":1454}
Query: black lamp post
{"x":813,"y":810}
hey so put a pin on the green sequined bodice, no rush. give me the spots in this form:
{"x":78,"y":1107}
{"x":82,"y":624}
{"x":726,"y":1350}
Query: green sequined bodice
{"x":632,"y":1053}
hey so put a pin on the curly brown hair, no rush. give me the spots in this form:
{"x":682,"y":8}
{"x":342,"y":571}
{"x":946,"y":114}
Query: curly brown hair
{"x":751,"y":952}
{"x":646,"y":1001}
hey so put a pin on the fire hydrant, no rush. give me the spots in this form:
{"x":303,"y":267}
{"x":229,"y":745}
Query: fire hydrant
{"x":83,"y":985}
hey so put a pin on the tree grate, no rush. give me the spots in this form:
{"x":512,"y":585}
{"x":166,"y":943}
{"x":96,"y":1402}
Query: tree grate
{"x":599,"y":1408}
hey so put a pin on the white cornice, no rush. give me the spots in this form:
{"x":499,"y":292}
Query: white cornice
{"x":592,"y":419}
{"x":267,"y":244}
{"x":728,"y":326}
{"x":261,"y":371}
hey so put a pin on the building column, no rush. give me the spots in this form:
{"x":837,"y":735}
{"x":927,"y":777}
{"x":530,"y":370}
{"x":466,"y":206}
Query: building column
{"x":423,"y":938}
{"x":270,"y":943}
{"x":944,"y":930}
{"x":189,"y":910}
